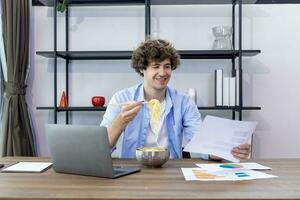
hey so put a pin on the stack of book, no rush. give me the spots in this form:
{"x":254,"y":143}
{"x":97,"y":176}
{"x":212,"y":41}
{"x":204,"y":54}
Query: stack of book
{"x":226,"y":89}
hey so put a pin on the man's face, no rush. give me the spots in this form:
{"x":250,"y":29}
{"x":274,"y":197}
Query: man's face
{"x":158,"y":74}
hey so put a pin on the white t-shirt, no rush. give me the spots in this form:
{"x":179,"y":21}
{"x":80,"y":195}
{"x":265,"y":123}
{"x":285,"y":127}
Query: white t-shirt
{"x":157,"y":133}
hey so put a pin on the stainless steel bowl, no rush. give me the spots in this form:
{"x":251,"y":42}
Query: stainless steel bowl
{"x":152,"y":156}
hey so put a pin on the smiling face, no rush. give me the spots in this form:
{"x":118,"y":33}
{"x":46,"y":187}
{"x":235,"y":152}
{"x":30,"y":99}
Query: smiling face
{"x":157,"y":75}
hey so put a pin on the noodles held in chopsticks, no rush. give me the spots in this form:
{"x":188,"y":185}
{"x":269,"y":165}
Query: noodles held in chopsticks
{"x":155,"y":110}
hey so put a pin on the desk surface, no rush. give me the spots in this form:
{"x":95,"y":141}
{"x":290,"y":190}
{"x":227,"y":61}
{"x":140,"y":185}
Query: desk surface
{"x":163,"y":183}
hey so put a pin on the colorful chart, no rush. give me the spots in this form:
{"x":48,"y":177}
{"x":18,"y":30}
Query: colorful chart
{"x":229,"y":165}
{"x":202,"y":175}
{"x":241,"y":174}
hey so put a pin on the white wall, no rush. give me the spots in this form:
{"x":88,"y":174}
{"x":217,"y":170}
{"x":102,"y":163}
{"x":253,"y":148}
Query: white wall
{"x":269,"y":78}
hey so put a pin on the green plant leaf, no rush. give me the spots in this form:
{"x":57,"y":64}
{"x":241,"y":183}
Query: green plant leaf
{"x":58,"y":8}
{"x":63,"y":7}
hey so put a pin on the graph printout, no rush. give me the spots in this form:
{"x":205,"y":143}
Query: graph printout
{"x":197,"y":174}
{"x":217,"y":136}
{"x":233,"y":166}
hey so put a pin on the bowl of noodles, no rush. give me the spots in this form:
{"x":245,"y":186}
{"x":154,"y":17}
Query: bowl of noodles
{"x":152,"y":156}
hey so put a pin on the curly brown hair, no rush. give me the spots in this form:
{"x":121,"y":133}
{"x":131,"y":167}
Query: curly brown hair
{"x":156,"y":50}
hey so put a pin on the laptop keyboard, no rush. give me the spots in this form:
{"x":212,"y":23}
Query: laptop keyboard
{"x":118,"y":170}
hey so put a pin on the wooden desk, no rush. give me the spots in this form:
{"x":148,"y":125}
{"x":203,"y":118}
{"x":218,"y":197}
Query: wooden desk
{"x":164,"y":183}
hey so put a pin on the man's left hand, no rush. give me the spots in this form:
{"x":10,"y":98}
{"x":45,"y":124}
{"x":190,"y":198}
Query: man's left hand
{"x":241,"y":152}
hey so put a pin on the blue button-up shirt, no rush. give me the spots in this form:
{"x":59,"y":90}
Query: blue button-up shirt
{"x":182,"y":119}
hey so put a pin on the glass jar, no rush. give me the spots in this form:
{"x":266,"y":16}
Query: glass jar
{"x":222,"y":38}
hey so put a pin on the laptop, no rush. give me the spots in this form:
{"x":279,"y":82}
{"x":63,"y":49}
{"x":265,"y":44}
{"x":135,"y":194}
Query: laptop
{"x":83,"y":150}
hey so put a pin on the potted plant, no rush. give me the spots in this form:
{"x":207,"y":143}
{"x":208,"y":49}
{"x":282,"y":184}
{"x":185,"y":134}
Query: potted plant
{"x":61,"y":7}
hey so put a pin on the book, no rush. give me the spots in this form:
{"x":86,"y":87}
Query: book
{"x":232,"y":92}
{"x":218,"y":87}
{"x":226,"y":91}
{"x":31,"y":167}
{"x":237,"y":87}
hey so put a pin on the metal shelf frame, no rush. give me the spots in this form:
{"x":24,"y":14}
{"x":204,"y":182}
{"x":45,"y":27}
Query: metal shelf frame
{"x":158,"y":2}
{"x":236,"y":53}
{"x":89,"y":108}
{"x":125,"y":55}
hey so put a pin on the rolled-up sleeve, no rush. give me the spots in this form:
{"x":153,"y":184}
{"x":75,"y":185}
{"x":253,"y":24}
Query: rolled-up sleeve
{"x":191,"y":118}
{"x":110,"y":114}
{"x":191,"y":124}
{"x":111,"y":111}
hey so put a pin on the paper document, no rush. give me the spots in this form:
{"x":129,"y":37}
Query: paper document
{"x":232,"y":166}
{"x":217,"y":136}
{"x":28,"y":167}
{"x":198,"y":174}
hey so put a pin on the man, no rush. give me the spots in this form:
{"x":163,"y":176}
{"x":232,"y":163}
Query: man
{"x":128,"y":111}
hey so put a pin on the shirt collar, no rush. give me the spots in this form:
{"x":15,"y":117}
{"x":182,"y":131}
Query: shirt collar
{"x":139,"y":95}
{"x":169,"y":102}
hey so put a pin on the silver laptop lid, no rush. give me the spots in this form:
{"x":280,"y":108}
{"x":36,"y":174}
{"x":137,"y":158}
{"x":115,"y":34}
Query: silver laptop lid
{"x":77,"y":149}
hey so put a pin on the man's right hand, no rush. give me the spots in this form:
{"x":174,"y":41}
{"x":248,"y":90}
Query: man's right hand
{"x":129,"y":111}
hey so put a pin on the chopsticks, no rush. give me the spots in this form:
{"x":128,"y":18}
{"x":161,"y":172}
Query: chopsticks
{"x":125,"y":103}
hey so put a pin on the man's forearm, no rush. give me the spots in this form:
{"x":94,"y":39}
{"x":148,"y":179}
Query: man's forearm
{"x":115,"y":130}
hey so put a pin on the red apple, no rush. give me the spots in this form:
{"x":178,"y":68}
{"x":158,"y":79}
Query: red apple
{"x":98,"y":101}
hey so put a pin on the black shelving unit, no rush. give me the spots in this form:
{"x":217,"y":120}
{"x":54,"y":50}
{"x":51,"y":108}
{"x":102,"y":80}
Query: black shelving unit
{"x":88,"y":108}
{"x":73,"y":108}
{"x":159,"y":2}
{"x":125,"y":55}
{"x":236,"y":53}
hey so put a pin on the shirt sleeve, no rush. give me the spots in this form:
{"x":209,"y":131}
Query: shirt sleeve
{"x":191,"y":118}
{"x":191,"y":124}
{"x":110,"y":114}
{"x":111,"y":111}
{"x":200,"y":155}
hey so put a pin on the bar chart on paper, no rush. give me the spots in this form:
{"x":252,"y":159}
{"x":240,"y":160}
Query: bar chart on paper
{"x":231,"y":166}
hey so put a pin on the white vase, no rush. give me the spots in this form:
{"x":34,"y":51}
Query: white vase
{"x":193,"y":94}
